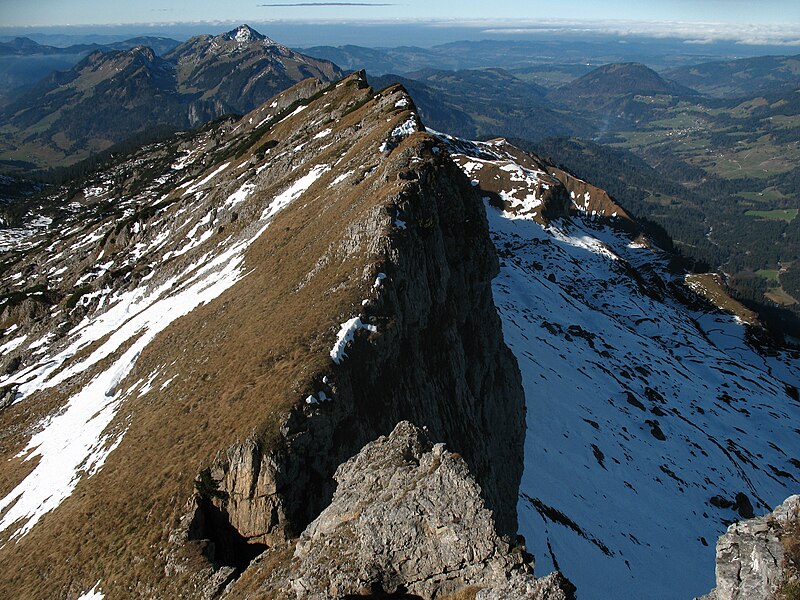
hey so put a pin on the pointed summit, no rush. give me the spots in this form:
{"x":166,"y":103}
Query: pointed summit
{"x":244,"y":34}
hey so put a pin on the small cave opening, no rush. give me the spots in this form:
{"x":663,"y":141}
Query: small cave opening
{"x":225,"y":546}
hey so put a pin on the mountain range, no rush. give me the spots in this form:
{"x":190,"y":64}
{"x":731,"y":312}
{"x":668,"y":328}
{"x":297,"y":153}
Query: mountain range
{"x":740,"y":78}
{"x":111,"y":95}
{"x":22,"y":46}
{"x":232,"y":357}
{"x":24,"y":61}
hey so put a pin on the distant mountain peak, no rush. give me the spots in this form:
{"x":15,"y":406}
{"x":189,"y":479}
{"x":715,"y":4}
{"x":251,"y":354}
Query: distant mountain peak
{"x":142,"y":51}
{"x":244,"y":34}
{"x":617,"y":80}
{"x":21,"y":45}
{"x":25,"y":42}
{"x":194,"y":82}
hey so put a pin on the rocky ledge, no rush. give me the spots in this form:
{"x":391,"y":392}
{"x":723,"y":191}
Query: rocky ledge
{"x":407,"y":520}
{"x":752,"y":556}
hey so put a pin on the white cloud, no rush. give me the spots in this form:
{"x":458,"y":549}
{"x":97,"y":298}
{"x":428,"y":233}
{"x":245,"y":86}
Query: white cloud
{"x":691,"y":32}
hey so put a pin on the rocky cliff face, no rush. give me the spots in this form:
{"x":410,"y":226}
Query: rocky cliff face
{"x":407,"y":517}
{"x":214,"y":325}
{"x":751,"y":558}
{"x":438,"y":359}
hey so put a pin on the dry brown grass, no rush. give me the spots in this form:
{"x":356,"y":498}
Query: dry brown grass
{"x":790,"y":539}
{"x":709,"y":286}
{"x":466,"y":593}
{"x":243,"y":361}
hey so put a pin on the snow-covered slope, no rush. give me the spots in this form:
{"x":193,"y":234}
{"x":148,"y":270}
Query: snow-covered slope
{"x":650,"y":418}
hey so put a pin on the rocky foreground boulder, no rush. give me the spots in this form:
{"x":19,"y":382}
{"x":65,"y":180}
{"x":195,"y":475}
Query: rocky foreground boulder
{"x":407,"y":518}
{"x":754,"y":557}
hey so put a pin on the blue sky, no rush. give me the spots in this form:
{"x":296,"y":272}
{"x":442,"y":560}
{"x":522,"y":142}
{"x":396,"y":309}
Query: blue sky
{"x":80,"y":12}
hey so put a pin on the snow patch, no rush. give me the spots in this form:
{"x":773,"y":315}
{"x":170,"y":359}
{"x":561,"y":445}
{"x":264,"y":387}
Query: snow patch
{"x":293,"y":191}
{"x":206,"y":179}
{"x":341,"y":178}
{"x":405,"y":129}
{"x":346,"y":335}
{"x":93,"y":594}
{"x":239,"y":195}
{"x":321,"y":396}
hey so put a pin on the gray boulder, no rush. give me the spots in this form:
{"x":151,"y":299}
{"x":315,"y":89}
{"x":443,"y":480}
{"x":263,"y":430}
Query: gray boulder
{"x":407,"y":516}
{"x":527,"y":587}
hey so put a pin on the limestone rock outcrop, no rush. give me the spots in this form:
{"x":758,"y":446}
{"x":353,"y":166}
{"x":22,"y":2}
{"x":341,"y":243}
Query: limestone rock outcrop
{"x":750,"y":556}
{"x":406,"y":516}
{"x":407,"y":520}
{"x":527,"y":587}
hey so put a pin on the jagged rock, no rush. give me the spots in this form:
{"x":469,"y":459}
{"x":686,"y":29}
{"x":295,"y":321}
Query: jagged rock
{"x":527,"y":587}
{"x":750,"y":556}
{"x":407,"y":516}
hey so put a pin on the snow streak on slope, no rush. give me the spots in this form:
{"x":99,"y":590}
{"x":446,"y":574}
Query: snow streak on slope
{"x":72,"y":443}
{"x":17,"y":237}
{"x":647,"y":418}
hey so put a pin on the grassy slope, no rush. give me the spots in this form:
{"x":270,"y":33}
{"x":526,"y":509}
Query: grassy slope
{"x":276,"y":334}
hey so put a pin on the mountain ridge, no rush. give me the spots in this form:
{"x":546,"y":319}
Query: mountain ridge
{"x":740,"y":78}
{"x":325,"y":397}
{"x":109,"y":96}
{"x":430,"y":278}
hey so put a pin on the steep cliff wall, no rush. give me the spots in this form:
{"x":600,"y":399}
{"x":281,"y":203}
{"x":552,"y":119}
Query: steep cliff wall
{"x":436,"y":358}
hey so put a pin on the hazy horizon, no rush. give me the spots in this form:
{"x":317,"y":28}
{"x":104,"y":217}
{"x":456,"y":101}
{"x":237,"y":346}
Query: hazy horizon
{"x":98,"y":12}
{"x":696,"y":38}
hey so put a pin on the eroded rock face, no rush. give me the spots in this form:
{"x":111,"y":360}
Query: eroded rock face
{"x":750,"y":556}
{"x":408,"y":517}
{"x":527,"y":587}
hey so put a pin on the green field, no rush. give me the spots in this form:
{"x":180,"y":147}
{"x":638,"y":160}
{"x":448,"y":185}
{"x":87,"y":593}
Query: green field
{"x":771,"y":274}
{"x":766,"y":195}
{"x":783,"y":214}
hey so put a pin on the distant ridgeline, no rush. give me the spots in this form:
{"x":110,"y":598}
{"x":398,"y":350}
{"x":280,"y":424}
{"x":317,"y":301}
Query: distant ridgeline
{"x":111,"y":95}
